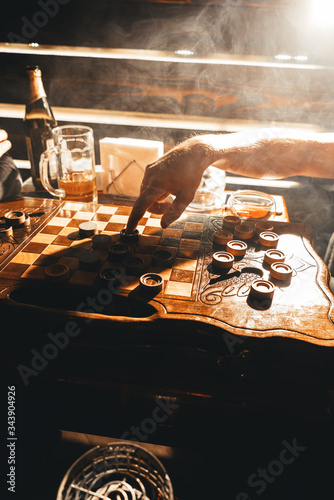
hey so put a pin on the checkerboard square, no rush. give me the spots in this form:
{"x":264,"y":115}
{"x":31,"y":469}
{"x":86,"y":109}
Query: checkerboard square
{"x":186,"y":264}
{"x":101,"y":217}
{"x":179,"y":289}
{"x":25,"y":258}
{"x":153,"y":230}
{"x":169,"y":242}
{"x":172,"y":233}
{"x":71,"y":262}
{"x":182,"y":275}
{"x":49,"y":229}
{"x":34,"y":272}
{"x":151,"y":222}
{"x":73,"y":205}
{"x":194,"y":226}
{"x":14,"y":269}
{"x":103,"y":209}
{"x":84,"y":215}
{"x":83,"y":277}
{"x":44,"y":238}
{"x":54,"y":250}
{"x":46,"y":260}
{"x":35,"y":247}
{"x":123,"y":211}
{"x":62,"y":239}
{"x":119,"y":219}
{"x":189,"y":243}
{"x":60,"y":221}
{"x":115,"y":227}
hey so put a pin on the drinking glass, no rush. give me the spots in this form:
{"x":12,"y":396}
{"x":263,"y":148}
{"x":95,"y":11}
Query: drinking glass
{"x":70,"y":161}
{"x":211,"y":192}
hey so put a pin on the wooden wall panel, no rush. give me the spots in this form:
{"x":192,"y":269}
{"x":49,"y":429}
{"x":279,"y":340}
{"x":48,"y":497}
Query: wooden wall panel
{"x":230,"y":92}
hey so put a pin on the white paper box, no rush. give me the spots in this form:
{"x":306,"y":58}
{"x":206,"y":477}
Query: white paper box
{"x":124,"y":161}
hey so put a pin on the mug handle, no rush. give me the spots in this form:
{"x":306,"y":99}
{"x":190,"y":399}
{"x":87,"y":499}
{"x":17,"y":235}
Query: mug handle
{"x":43,"y":168}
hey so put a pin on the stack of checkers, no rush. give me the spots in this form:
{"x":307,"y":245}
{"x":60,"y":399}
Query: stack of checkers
{"x":12,"y":220}
{"x":90,"y":241}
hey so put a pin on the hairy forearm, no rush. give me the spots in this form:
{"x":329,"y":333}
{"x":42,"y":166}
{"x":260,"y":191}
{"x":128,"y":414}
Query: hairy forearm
{"x":275,"y":154}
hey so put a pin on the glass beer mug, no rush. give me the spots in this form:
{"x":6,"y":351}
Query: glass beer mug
{"x":70,"y":163}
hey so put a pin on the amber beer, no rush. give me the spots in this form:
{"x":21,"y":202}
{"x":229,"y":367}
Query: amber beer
{"x":73,"y":158}
{"x":78,"y":186}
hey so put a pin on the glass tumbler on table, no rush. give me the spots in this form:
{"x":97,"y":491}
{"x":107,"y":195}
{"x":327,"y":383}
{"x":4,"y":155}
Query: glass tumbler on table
{"x":210,"y":194}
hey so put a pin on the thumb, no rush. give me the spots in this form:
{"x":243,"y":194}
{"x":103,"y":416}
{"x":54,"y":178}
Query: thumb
{"x":180,"y":203}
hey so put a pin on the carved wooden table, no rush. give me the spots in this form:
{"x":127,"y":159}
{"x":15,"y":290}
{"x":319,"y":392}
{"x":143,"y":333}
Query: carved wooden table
{"x":200,"y":340}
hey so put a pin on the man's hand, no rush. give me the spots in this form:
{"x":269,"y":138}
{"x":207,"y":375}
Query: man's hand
{"x":179,"y":173}
{"x":5,"y":145}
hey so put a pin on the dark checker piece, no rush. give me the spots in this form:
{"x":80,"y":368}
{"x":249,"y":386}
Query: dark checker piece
{"x":89,"y":261}
{"x":134,"y":265}
{"x":118,"y":252}
{"x":15,"y":218}
{"x":151,"y":282}
{"x":129,"y":237}
{"x":26,"y":222}
{"x":162,"y":258}
{"x":57,"y":273}
{"x":87,"y":229}
{"x":101,"y":241}
{"x":5,"y":231}
{"x":111,"y":274}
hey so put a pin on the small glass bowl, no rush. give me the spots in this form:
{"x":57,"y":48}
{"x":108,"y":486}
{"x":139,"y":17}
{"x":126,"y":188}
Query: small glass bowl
{"x":248,"y":204}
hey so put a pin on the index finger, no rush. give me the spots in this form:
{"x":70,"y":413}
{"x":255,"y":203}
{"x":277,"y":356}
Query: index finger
{"x":3,"y":134}
{"x":4,"y":147}
{"x":143,"y":202}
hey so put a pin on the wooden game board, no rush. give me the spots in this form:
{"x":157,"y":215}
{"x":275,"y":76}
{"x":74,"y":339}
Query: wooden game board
{"x":193,"y":289}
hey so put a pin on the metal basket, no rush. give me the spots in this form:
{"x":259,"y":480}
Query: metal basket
{"x":118,"y":471}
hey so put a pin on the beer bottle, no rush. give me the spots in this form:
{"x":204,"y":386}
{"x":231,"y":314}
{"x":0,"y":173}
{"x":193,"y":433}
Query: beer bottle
{"x":38,"y":122}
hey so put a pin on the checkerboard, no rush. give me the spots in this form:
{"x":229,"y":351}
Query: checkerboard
{"x":58,"y":242}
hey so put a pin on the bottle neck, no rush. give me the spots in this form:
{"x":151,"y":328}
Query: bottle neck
{"x":36,"y":85}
